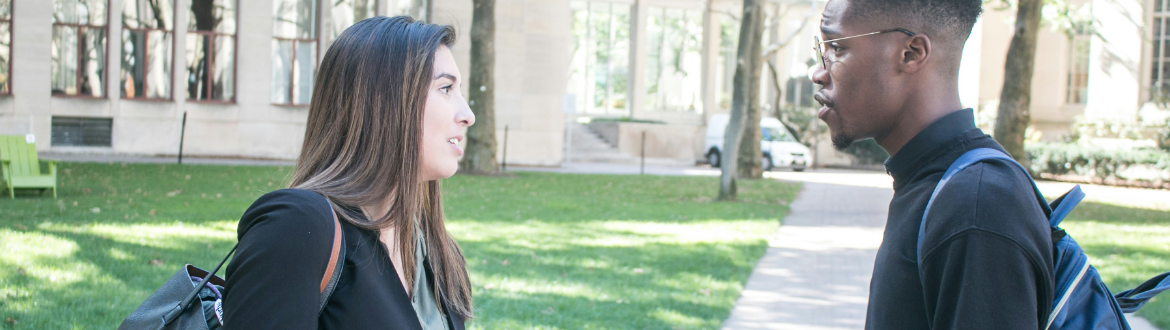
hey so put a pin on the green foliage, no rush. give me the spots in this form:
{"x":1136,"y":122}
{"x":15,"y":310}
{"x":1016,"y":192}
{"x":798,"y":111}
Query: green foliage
{"x":867,"y":152}
{"x":1127,"y":245}
{"x":626,"y":120}
{"x":1096,"y":162}
{"x":546,"y":251}
{"x":1163,"y":136}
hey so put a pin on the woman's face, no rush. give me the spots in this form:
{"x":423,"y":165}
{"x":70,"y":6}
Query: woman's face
{"x":444,"y":118}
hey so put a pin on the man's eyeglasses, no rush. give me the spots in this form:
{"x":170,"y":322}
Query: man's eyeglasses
{"x":819,"y":45}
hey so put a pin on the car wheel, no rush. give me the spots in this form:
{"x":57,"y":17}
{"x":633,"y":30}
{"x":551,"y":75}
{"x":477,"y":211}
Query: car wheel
{"x":713,"y":158}
{"x":766,"y":163}
{"x":798,"y":169}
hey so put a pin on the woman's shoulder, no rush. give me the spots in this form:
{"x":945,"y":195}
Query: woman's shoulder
{"x":292,"y":208}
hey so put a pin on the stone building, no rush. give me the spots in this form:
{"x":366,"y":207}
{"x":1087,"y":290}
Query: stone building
{"x":119,"y":76}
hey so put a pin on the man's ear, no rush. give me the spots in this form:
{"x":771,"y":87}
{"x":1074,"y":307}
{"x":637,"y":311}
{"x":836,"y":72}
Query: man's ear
{"x":915,"y":52}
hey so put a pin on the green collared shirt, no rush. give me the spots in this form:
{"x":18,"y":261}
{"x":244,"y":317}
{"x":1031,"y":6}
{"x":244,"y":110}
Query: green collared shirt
{"x":423,"y":298}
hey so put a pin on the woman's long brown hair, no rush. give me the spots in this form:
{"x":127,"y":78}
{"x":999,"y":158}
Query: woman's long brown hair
{"x":362,"y":140}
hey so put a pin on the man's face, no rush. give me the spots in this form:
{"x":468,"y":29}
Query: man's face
{"x":858,"y":86}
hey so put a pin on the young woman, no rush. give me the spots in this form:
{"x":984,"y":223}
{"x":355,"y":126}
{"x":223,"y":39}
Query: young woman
{"x":384,"y":126}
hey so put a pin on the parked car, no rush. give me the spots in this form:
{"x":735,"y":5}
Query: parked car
{"x":779,"y":147}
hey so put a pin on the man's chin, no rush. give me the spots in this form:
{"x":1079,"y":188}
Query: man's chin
{"x":841,"y":141}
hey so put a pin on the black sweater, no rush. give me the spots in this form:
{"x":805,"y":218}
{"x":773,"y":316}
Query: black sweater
{"x":273,"y":281}
{"x":988,"y":247}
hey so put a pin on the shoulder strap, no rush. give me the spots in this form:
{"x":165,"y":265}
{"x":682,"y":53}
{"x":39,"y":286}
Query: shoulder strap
{"x":970,"y":158}
{"x":336,"y":260}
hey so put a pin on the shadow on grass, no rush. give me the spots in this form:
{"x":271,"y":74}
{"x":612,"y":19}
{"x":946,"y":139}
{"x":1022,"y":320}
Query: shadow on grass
{"x":575,"y":244}
{"x":1127,"y":246}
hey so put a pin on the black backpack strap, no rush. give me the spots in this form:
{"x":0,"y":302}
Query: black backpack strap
{"x":336,"y":261}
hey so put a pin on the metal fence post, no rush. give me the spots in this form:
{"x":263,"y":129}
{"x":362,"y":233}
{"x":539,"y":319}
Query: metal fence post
{"x":182,"y":133}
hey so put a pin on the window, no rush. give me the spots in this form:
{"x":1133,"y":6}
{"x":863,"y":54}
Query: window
{"x":347,"y":12}
{"x":81,"y":132}
{"x":211,"y":51}
{"x":599,"y":74}
{"x":78,"y":49}
{"x":5,"y":46}
{"x":1078,"y":68}
{"x":1160,"y":62}
{"x":673,"y":66}
{"x":419,"y":9}
{"x":729,"y":25}
{"x":294,"y":51}
{"x":147,"y":43}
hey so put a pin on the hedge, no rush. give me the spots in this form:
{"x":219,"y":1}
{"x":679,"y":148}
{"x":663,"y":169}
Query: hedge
{"x":1097,"y":162}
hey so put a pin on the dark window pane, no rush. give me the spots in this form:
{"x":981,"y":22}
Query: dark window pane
{"x":83,"y":132}
{"x":133,"y":63}
{"x":198,"y":69}
{"x":282,"y":68}
{"x":153,"y":14}
{"x":224,"y":70}
{"x":294,"y":19}
{"x":6,"y":9}
{"x":93,"y":63}
{"x":213,"y":15}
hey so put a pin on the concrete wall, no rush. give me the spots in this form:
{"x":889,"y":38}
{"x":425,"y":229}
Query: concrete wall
{"x":675,"y":141}
{"x":532,"y":54}
{"x":533,"y":43}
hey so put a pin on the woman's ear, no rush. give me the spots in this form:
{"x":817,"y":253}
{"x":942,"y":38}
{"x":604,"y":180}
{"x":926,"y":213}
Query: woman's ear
{"x":915,"y":52}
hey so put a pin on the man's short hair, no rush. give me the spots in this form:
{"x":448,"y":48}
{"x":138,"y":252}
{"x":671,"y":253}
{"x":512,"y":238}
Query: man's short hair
{"x":946,"y":21}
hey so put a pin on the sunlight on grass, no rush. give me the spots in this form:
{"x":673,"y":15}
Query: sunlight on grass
{"x":545,"y":251}
{"x":1127,"y":246}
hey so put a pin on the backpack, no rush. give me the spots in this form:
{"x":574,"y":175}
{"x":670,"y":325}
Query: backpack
{"x":172,"y":307}
{"x":1081,"y":301}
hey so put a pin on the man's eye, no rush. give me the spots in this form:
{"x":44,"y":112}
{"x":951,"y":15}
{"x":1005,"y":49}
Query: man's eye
{"x":835,"y":47}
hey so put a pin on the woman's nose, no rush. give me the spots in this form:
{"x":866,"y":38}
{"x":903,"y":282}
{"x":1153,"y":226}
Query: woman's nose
{"x":465,"y":117}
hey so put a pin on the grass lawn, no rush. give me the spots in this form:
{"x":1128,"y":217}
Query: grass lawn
{"x":1127,"y":245}
{"x":546,"y":251}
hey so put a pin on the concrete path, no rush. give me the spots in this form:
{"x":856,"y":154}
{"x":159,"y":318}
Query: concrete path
{"x":815,"y":273}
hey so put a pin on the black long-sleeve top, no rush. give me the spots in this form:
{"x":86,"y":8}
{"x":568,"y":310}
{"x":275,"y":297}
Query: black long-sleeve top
{"x":987,"y":254}
{"x":273,"y":281}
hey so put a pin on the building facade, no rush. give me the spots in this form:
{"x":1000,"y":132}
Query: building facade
{"x":120,"y":76}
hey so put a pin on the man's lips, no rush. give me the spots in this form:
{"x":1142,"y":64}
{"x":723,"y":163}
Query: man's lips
{"x":826,"y":105}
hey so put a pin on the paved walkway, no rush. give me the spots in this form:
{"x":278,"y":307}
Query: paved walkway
{"x":815,"y":274}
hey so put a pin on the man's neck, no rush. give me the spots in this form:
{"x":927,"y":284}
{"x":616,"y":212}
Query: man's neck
{"x":926,"y":106}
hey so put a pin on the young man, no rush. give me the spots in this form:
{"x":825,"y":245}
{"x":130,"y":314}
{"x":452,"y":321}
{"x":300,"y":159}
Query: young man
{"x":890,"y":72}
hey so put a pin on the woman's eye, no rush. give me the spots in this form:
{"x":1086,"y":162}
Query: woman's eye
{"x":445,"y":89}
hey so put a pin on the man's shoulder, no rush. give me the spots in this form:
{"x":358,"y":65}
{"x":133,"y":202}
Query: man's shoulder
{"x":993,"y":195}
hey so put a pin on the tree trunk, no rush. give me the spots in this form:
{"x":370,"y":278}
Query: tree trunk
{"x":480,"y":155}
{"x":745,"y":91}
{"x":1015,"y":98}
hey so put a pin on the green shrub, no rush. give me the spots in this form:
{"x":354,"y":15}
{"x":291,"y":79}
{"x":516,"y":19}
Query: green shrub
{"x":1096,"y":162}
{"x":867,"y":152}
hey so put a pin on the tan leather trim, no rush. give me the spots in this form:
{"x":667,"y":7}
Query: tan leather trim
{"x":336,"y":251}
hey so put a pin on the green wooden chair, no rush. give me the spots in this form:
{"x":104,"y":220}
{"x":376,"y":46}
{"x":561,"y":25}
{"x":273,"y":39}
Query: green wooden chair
{"x":22,"y":169}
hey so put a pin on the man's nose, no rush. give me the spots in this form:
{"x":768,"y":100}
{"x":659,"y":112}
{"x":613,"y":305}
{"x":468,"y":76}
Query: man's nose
{"x":819,"y":75}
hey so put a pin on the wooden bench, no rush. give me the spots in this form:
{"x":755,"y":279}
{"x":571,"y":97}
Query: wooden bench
{"x":22,"y":168}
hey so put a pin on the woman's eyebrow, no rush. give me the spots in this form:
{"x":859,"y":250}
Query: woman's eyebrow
{"x":446,"y":75}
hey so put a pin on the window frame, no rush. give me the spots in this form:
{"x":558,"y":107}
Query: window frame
{"x":11,"y":40}
{"x":588,"y":79}
{"x":1158,"y":64}
{"x":1072,"y":96}
{"x":211,"y":60}
{"x":81,"y":40}
{"x":316,"y":61}
{"x":146,"y":54}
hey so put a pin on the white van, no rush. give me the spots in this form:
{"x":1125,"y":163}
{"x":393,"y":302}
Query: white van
{"x":779,"y":147}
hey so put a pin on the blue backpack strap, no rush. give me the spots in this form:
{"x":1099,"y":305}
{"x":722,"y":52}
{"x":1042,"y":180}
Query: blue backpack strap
{"x":1131,"y":300}
{"x":967,"y":159}
{"x":1065,"y":204}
